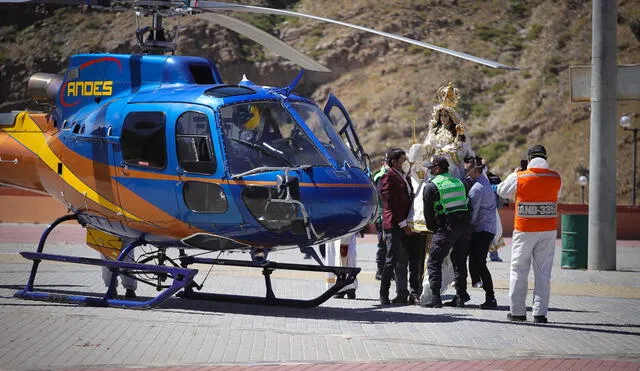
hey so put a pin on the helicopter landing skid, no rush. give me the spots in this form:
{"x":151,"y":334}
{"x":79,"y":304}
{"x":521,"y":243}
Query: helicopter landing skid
{"x":344,"y":276}
{"x":181,"y":278}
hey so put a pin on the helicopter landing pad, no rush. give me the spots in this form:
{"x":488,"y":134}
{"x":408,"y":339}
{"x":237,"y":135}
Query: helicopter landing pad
{"x":593,"y":316}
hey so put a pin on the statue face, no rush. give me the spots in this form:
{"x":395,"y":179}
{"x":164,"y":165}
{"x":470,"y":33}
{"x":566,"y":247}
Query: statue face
{"x":444,"y":117}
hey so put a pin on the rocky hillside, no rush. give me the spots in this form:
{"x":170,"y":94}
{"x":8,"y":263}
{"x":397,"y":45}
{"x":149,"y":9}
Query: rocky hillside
{"x":386,"y":85}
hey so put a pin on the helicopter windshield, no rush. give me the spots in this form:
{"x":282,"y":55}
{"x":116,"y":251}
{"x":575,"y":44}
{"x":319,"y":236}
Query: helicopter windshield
{"x":326,"y":133}
{"x":263,"y":134}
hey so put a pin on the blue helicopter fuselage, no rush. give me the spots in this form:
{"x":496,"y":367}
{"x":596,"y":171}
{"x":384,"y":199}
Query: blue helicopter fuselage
{"x":158,"y":148}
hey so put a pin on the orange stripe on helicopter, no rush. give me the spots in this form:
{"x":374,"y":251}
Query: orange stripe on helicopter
{"x":137,"y":174}
{"x":153,"y":219}
{"x":34,"y":139}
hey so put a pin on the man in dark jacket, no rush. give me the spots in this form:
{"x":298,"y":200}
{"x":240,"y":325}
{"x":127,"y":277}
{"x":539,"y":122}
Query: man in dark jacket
{"x":446,"y":212}
{"x":396,"y":194}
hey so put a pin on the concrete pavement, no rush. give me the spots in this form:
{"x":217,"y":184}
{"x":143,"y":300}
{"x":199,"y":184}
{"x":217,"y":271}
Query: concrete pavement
{"x":595,"y":322}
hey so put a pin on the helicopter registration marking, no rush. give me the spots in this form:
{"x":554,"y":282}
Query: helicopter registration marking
{"x":89,"y":88}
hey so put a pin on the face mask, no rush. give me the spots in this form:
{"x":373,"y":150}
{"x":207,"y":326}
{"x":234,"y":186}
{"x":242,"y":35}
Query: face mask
{"x":406,"y":167}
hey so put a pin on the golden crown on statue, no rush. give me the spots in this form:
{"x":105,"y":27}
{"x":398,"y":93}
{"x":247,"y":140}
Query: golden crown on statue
{"x":447,"y":95}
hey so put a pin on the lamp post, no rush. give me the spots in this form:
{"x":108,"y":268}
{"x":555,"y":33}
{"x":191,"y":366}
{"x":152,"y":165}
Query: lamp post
{"x":625,"y":122}
{"x":583,"y":181}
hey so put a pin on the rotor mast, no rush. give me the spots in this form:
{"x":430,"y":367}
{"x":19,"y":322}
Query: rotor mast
{"x":152,"y":38}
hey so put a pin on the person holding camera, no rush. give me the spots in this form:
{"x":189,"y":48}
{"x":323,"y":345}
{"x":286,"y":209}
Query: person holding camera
{"x":535,"y":189}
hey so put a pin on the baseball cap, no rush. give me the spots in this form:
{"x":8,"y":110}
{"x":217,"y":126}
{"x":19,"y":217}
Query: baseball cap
{"x":537,"y":151}
{"x":439,"y":161}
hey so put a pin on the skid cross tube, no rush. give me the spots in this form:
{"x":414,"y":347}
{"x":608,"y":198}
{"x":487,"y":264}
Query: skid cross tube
{"x":43,"y":239}
{"x":181,"y":278}
{"x":344,"y":276}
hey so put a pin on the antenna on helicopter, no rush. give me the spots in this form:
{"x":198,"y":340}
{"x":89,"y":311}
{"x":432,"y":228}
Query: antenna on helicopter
{"x":286,"y":91}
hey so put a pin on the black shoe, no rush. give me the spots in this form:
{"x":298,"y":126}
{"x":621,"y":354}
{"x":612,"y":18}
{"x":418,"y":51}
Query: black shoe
{"x":400,"y":300}
{"x":458,"y":300}
{"x":351,"y":294}
{"x":540,"y":319}
{"x":513,"y":318}
{"x":378,"y":276}
{"x":477,"y":284}
{"x":130,"y":294}
{"x":384,"y":300}
{"x":340,"y":295}
{"x":434,"y":301}
{"x":414,"y":299}
{"x":489,"y":304}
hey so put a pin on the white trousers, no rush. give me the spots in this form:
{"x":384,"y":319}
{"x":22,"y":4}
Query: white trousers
{"x":529,"y":248}
{"x":333,"y":257}
{"x":127,"y":282}
{"x":498,"y":241}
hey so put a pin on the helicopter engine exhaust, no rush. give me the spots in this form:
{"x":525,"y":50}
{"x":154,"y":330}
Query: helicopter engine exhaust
{"x":44,"y":87}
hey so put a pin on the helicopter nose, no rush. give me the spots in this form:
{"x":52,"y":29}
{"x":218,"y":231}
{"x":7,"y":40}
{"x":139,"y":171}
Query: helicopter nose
{"x":342,"y":208}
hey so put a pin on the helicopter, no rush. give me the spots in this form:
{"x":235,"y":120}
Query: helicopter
{"x":157,"y":150}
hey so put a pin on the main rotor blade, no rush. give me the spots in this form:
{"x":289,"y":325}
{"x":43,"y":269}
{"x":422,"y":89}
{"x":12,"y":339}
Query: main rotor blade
{"x":256,"y":9}
{"x":265,"y":39}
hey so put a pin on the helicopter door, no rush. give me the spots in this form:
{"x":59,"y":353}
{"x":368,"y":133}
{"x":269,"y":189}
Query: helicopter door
{"x":340,"y":119}
{"x":203,"y":197}
{"x":143,"y":172}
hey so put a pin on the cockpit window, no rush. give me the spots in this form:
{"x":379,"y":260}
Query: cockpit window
{"x":324,"y":130}
{"x":260,"y":134}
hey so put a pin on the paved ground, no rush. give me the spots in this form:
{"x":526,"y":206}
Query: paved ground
{"x":595,"y":322}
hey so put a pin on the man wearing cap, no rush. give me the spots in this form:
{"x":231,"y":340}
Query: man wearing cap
{"x":535,"y":191}
{"x":446,"y":212}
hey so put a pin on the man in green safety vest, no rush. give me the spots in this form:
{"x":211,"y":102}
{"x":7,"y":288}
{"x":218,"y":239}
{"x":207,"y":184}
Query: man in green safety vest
{"x":446,"y":212}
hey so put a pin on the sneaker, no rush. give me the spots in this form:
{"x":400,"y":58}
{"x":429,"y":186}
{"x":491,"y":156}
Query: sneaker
{"x":130,"y":294}
{"x":540,"y":319}
{"x":400,"y":300}
{"x":384,"y":300}
{"x":489,"y":304}
{"x":513,"y":318}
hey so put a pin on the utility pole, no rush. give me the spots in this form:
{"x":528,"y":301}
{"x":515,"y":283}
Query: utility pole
{"x":602,"y":162}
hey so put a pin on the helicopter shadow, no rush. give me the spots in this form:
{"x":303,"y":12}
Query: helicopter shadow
{"x":372,"y":314}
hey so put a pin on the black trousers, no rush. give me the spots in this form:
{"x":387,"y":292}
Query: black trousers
{"x":417,"y":250}
{"x":396,"y":263}
{"x":478,"y":249}
{"x":452,"y":236}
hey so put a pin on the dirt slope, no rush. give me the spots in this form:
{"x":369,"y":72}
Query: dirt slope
{"x":386,"y":85}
